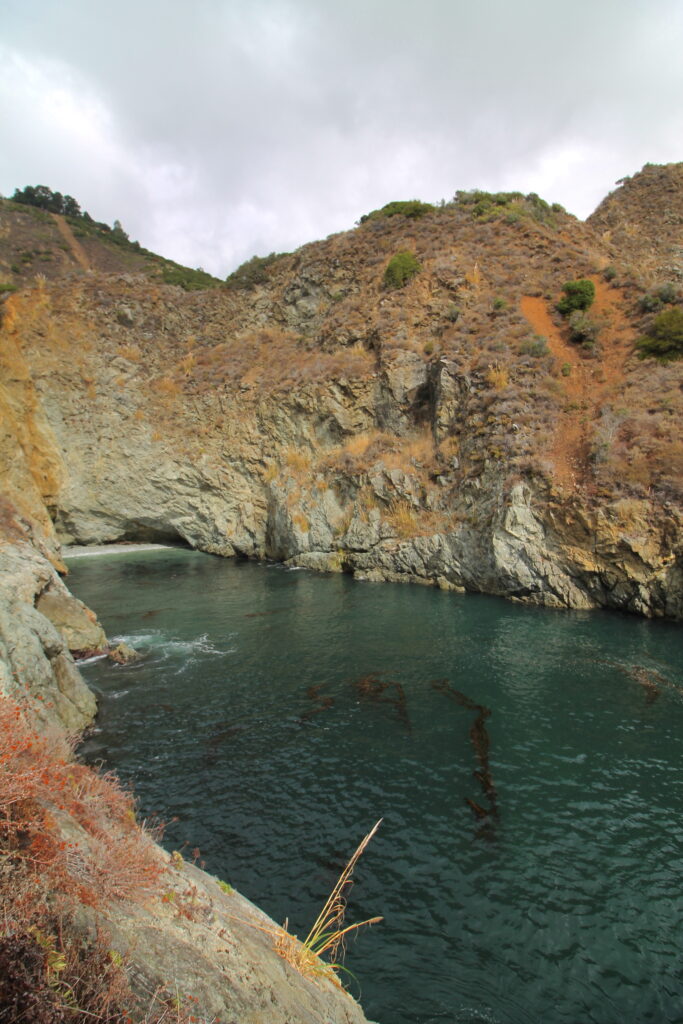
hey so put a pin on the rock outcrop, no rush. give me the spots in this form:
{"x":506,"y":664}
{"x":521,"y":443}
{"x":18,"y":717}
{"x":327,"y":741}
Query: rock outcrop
{"x":187,"y":933}
{"x":35,"y":660}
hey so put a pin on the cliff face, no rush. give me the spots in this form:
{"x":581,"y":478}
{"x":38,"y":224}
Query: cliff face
{"x":449,"y":431}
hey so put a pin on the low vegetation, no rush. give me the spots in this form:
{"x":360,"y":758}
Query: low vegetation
{"x":187,"y":279}
{"x":252,"y":273}
{"x":412,"y":208}
{"x":510,"y":206}
{"x":328,"y":935}
{"x":578,"y":295}
{"x":69,"y":845}
{"x":664,"y":338}
{"x":401,"y":268}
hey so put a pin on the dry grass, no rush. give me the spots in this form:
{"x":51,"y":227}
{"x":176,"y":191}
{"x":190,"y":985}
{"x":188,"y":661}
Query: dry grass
{"x":68,"y":839}
{"x":297,"y":462}
{"x":328,"y":935}
{"x":402,"y":517}
{"x":497,"y":376}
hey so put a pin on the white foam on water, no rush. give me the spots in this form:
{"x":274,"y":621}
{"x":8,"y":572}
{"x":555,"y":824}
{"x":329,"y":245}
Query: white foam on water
{"x":158,"y":648}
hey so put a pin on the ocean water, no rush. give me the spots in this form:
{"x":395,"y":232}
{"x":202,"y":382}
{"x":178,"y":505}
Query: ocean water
{"x":527,"y":765}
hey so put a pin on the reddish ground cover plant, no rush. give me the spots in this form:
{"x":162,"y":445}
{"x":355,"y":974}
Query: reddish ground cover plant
{"x":69,"y":839}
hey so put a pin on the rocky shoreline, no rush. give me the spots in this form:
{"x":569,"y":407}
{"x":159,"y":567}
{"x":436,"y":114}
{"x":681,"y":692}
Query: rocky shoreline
{"x":189,"y":933}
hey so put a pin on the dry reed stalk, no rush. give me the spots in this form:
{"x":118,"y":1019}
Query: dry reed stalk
{"x":327,"y":936}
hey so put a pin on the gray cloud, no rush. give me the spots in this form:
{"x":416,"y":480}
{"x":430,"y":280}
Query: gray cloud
{"x":242,"y":127}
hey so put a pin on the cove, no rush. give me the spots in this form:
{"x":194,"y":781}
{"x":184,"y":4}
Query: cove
{"x":528,"y":765}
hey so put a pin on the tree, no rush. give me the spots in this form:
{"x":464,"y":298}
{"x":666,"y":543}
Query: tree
{"x":44,"y":198}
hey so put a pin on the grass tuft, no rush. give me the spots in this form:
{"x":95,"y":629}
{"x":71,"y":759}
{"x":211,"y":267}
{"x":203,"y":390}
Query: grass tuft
{"x":328,"y":935}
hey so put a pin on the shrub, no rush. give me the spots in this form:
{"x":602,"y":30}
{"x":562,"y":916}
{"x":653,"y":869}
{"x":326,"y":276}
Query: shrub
{"x":400,"y":269}
{"x":609,"y":273}
{"x":650,"y":303}
{"x":187,"y":279}
{"x":536,"y":347}
{"x":404,"y":208}
{"x":664,"y":340}
{"x":578,"y":294}
{"x":667,"y":293}
{"x":252,"y":273}
{"x":582,"y":329}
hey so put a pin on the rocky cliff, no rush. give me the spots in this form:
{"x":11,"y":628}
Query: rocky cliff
{"x":454,"y":431}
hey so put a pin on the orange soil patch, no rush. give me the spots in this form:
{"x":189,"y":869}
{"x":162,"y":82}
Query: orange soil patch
{"x":71,"y":240}
{"x":590,"y":384}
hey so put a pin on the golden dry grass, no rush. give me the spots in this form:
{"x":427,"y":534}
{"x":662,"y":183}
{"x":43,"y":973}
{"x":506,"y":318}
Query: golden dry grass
{"x":328,"y":935}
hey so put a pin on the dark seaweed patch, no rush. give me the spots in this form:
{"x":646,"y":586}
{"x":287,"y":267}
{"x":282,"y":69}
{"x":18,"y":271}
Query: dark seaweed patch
{"x":481,"y":744}
{"x":373,"y":688}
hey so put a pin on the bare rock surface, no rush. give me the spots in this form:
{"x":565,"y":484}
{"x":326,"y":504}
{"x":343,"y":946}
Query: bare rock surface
{"x":35,"y":659}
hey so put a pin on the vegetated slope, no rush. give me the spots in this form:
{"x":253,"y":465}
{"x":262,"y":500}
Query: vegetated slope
{"x":642,"y":220}
{"x":35,"y":242}
{"x":456,"y":430}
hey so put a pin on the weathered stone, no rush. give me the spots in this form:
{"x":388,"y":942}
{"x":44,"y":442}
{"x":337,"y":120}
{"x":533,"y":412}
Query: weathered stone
{"x":34,"y":657}
{"x":122,"y":654}
{"x":77,"y":624}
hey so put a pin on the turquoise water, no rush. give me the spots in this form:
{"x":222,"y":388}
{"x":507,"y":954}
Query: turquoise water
{"x":276,"y":715}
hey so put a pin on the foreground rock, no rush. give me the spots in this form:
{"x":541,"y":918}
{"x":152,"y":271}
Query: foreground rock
{"x":185,"y":939}
{"x":35,"y":660}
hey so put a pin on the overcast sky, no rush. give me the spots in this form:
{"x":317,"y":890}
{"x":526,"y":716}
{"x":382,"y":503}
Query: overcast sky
{"x":219,"y":129}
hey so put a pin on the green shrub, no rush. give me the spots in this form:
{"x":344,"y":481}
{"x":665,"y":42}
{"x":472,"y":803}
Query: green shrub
{"x":577,"y":295}
{"x":400,"y":269}
{"x":401,"y":208}
{"x":667,"y":293}
{"x":189,"y":280}
{"x":488,"y":206}
{"x":609,"y":273}
{"x":566,"y":369}
{"x":650,"y":303}
{"x":7,"y":286}
{"x":664,"y":340}
{"x":252,"y":273}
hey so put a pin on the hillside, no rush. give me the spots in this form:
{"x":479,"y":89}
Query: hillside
{"x":642,"y":221}
{"x":35,"y":243}
{"x":456,"y":429}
